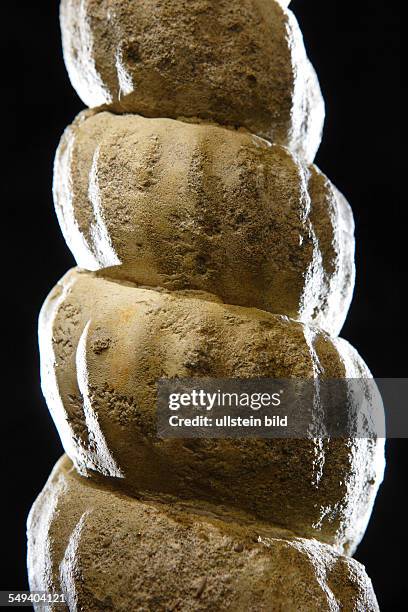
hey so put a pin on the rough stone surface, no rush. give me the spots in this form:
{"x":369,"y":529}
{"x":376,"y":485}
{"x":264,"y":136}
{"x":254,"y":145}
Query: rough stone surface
{"x":180,"y":206}
{"x":104,"y":345}
{"x":213,"y":248}
{"x":237,"y":63}
{"x":106,"y":551}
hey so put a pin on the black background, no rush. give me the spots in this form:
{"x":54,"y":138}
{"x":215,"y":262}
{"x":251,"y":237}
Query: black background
{"x":356,"y":47}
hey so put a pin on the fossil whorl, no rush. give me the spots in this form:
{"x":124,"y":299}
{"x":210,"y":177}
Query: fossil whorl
{"x":104,"y":346}
{"x":105,"y":551}
{"x":237,"y":63}
{"x":168,"y":204}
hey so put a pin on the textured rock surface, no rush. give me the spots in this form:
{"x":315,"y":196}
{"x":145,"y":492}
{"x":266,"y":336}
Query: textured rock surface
{"x":216,"y":250}
{"x":237,"y":63}
{"x":105,"y":344}
{"x":106,"y":551}
{"x":184,"y":206}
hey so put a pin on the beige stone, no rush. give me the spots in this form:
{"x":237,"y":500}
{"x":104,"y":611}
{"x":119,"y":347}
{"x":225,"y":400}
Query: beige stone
{"x":105,"y":344}
{"x":180,"y":206}
{"x":106,"y":551}
{"x":211,"y":248}
{"x":237,"y":63}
